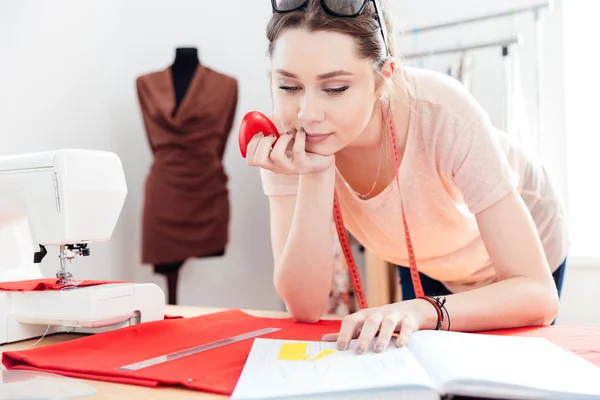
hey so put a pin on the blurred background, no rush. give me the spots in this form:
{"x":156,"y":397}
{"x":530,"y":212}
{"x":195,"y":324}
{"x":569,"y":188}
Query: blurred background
{"x":67,"y":80}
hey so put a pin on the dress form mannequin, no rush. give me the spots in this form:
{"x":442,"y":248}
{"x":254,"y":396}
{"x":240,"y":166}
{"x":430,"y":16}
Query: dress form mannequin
{"x":188,"y":111}
{"x":183,"y":69}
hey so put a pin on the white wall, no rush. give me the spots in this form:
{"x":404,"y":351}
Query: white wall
{"x":582,"y":83}
{"x":67,"y":76}
{"x":67,"y":80}
{"x":487,"y":72}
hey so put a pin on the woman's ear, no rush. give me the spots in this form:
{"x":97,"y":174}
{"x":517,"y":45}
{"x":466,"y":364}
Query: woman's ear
{"x":389,"y":67}
{"x":387,"y":72}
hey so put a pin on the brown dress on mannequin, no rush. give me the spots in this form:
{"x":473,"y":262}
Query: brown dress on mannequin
{"x":186,"y":205}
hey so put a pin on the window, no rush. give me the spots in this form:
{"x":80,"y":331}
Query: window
{"x":582,"y":115}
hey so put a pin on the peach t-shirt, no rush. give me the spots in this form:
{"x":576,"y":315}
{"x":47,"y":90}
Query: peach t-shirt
{"x":455,"y":165}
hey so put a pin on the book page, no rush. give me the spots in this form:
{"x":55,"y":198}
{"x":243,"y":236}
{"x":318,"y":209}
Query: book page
{"x":280,"y":368}
{"x":507,"y":361}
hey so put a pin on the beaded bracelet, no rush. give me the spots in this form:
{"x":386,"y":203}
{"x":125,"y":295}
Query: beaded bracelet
{"x":439,"y":304}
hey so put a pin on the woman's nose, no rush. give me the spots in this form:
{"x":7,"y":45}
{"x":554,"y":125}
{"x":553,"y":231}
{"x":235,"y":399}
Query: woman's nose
{"x":310,"y":110}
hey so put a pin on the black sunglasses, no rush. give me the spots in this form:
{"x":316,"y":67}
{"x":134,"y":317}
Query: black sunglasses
{"x":337,"y":8}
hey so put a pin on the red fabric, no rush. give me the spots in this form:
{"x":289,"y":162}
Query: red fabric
{"x":97,"y":357}
{"x":44,"y":284}
{"x":172,"y":316}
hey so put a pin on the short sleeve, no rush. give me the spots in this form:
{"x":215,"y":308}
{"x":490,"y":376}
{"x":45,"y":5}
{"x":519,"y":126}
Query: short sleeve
{"x":278,"y":184}
{"x":479,"y":165}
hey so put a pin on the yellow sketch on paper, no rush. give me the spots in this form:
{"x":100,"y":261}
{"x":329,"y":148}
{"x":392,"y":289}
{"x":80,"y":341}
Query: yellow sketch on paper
{"x":298,"y":352}
{"x":322,"y":354}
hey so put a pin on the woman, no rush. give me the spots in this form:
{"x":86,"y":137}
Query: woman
{"x":487,"y":226}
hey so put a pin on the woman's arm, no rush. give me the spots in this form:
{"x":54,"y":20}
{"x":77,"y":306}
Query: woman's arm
{"x":526,"y":293}
{"x":477,"y":162}
{"x":302,"y":240}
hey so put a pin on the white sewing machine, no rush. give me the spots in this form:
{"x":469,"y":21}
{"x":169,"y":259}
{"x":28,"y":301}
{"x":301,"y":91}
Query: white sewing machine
{"x":64,"y":198}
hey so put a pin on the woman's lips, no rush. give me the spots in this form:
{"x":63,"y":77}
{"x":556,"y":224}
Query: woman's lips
{"x":316,"y":137}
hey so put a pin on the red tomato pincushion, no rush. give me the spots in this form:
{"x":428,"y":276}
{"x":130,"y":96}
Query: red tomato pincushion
{"x":253,"y":123}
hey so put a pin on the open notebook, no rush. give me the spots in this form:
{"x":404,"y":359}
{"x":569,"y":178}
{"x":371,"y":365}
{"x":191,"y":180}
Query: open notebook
{"x":435,"y":365}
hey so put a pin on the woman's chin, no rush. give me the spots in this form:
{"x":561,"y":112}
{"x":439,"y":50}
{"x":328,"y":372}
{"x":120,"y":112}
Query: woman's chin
{"x":320,"y":149}
{"x":325,"y":147}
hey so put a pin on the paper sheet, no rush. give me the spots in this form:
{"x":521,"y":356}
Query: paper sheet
{"x":279,"y":368}
{"x":524,"y":362}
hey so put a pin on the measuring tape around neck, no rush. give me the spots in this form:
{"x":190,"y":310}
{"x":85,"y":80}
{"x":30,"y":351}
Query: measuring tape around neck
{"x":345,"y":244}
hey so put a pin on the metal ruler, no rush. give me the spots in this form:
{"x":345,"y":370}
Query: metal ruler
{"x":195,"y":350}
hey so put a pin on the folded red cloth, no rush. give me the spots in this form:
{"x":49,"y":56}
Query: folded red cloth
{"x":45,"y":284}
{"x":172,"y":316}
{"x":97,"y":357}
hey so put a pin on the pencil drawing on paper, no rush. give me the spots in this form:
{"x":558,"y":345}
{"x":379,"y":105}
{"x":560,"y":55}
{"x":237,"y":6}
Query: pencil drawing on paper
{"x":319,"y":362}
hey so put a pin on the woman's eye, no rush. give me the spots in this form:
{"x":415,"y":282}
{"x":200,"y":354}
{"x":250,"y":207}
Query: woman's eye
{"x":289,"y":88}
{"x":337,"y":90}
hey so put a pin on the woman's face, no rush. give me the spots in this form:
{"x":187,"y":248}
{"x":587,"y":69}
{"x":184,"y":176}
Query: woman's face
{"x":321,"y":85}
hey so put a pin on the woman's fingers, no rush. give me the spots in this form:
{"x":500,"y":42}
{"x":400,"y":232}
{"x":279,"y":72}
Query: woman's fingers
{"x":387,"y":329}
{"x":299,"y":148}
{"x":407,"y":328}
{"x":350,"y":324}
{"x":278,"y":154}
{"x":263,"y":151}
{"x":330,"y":337}
{"x":252,"y":145}
{"x":369,"y":329}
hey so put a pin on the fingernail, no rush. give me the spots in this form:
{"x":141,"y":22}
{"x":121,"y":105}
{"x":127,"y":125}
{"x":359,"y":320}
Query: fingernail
{"x":360,"y":349}
{"x":341,"y":346}
{"x":379,"y":347}
{"x":402,"y":342}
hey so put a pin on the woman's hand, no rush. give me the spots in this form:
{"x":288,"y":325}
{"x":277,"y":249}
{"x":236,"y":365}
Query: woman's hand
{"x":394,"y":322}
{"x":287,"y":156}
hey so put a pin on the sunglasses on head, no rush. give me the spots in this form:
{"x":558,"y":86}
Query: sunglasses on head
{"x":337,"y":8}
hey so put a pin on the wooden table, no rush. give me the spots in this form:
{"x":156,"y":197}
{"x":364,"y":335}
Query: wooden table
{"x":107,"y":390}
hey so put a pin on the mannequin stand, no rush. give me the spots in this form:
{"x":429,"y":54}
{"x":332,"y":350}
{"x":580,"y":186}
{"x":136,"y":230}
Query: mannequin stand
{"x":171,"y":273}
